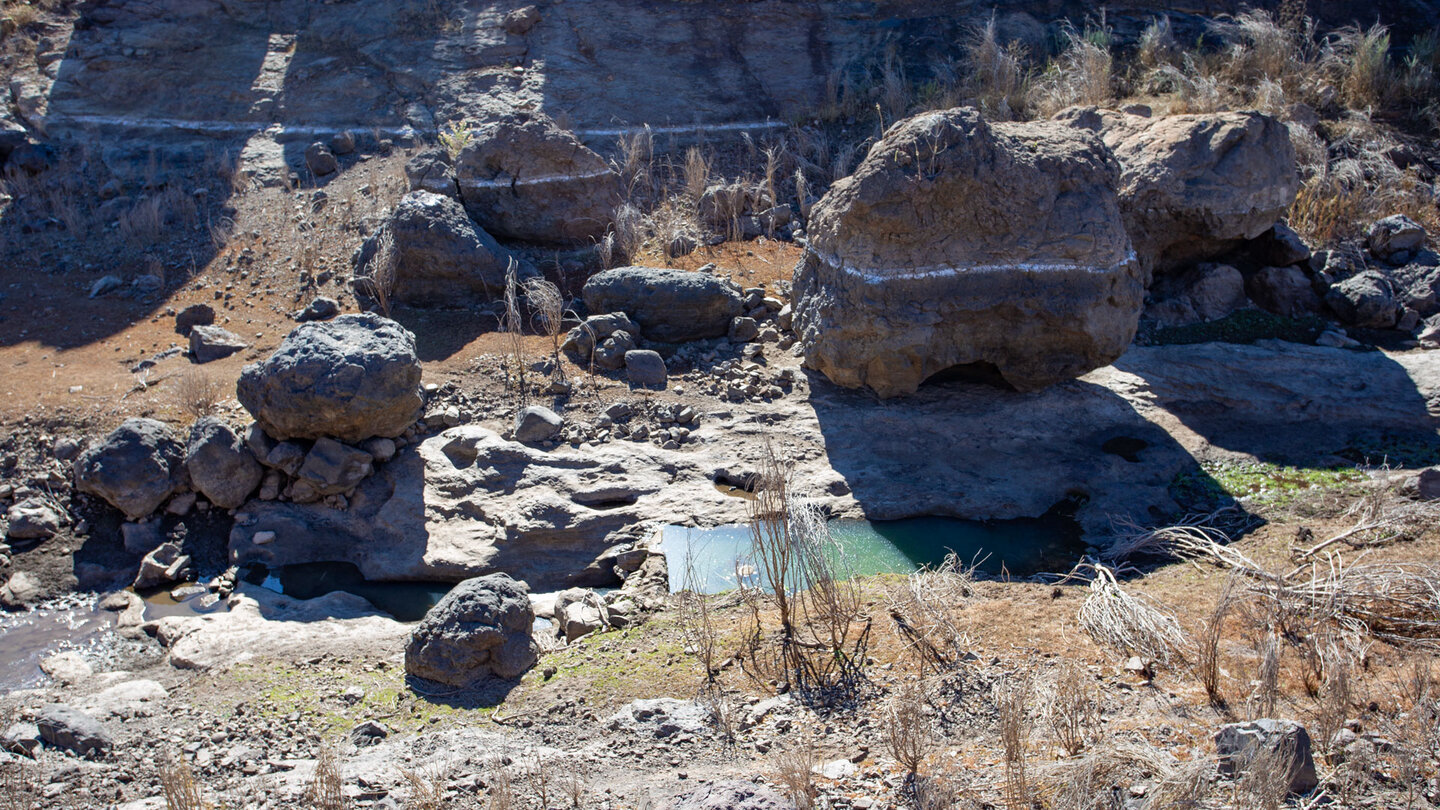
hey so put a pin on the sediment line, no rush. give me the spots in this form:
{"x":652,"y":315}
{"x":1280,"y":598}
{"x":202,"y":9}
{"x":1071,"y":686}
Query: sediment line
{"x":877,"y":275}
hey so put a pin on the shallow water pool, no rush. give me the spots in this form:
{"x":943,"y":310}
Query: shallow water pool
{"x":718,"y":557}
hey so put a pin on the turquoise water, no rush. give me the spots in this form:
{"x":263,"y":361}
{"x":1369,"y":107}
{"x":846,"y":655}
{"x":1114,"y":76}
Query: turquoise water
{"x":1019,"y":547}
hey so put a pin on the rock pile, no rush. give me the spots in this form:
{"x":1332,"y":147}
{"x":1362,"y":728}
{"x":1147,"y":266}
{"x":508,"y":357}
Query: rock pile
{"x":962,"y":243}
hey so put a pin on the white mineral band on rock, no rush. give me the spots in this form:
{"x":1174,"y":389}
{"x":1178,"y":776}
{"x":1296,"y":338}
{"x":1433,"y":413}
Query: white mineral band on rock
{"x":534,"y":181}
{"x":877,"y":275}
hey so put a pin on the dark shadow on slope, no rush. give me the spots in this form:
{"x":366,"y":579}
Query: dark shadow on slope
{"x":971,"y":450}
{"x":1291,"y":404}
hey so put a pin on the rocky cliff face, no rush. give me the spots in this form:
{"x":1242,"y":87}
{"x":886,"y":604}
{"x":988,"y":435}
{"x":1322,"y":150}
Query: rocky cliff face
{"x":186,"y":72}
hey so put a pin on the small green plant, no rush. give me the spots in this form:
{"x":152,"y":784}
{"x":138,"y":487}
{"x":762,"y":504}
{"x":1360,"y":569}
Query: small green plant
{"x":456,"y":138}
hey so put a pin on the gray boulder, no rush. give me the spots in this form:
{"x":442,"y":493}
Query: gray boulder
{"x":63,"y":726}
{"x":1194,"y":186}
{"x":1366,"y":300}
{"x":743,"y":329}
{"x":536,"y":423}
{"x":350,"y":378}
{"x":669,"y":305}
{"x":1394,"y":234}
{"x":193,"y":316}
{"x":1238,"y":744}
{"x":32,"y":518}
{"x":583,"y":339}
{"x":163,"y":566}
{"x":221,"y":467}
{"x":645,"y":368}
{"x":994,"y":247}
{"x":1280,"y":246}
{"x":434,"y":254}
{"x":431,"y":171}
{"x":1283,"y":290}
{"x":580,"y":611}
{"x":330,"y":468}
{"x":528,"y":179}
{"x":212,"y":343}
{"x":731,"y":794}
{"x":1206,"y":292}
{"x":135,"y":468}
{"x":481,"y":627}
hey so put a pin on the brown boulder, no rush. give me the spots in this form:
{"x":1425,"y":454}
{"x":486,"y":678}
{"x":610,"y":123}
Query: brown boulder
{"x":1194,"y":186}
{"x":962,"y":243}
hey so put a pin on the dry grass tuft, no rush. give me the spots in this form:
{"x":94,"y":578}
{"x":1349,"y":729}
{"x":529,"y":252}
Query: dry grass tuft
{"x":198,"y":393}
{"x":178,"y":784}
{"x":326,"y":790}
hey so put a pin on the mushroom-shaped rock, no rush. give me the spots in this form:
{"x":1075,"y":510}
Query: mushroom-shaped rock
{"x":350,"y":378}
{"x":482,"y":626}
{"x":135,"y":468}
{"x":995,"y":247}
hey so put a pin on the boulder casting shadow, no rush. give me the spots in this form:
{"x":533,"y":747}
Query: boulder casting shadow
{"x":971,"y":450}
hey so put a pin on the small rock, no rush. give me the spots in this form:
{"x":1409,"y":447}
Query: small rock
{"x":1394,"y":234}
{"x":108,"y":284}
{"x":645,"y":368}
{"x":209,"y":343}
{"x":368,"y":733}
{"x":21,"y":739}
{"x":193,"y":316}
{"x":321,"y":309}
{"x":32,"y":518}
{"x":320,"y":160}
{"x":743,"y":329}
{"x":535,"y":424}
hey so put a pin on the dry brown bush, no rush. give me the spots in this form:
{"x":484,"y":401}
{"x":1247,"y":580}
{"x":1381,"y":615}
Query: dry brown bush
{"x":177,"y":783}
{"x":326,"y":789}
{"x":907,"y":729}
{"x":1012,"y":700}
{"x":1072,"y":707}
{"x":198,"y":393}
{"x":795,"y":772}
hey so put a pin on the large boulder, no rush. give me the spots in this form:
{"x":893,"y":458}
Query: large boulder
{"x":221,"y":467}
{"x":350,"y":378}
{"x":1283,"y":290}
{"x":135,"y":468}
{"x":429,"y":252}
{"x":528,"y":179}
{"x":66,"y":727}
{"x":962,"y":243}
{"x":669,"y":305}
{"x":1194,"y":186}
{"x":482,"y":626}
{"x":1394,"y":234}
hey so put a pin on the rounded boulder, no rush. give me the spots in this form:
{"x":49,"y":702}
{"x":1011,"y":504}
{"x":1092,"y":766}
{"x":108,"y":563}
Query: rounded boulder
{"x":482,"y":627}
{"x":135,"y":468}
{"x":350,"y":378}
